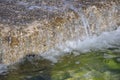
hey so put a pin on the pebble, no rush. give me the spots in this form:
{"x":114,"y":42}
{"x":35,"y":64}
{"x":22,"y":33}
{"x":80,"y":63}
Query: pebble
{"x":77,"y":62}
{"x":118,"y":59}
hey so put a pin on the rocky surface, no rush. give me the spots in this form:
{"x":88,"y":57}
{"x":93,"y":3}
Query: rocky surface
{"x":33,"y":27}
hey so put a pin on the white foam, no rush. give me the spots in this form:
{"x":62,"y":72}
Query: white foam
{"x":33,"y":7}
{"x":103,"y":41}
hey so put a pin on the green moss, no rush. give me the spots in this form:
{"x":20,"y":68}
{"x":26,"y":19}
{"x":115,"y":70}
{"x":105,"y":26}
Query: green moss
{"x":88,"y":66}
{"x":94,"y":65}
{"x":113,"y":65}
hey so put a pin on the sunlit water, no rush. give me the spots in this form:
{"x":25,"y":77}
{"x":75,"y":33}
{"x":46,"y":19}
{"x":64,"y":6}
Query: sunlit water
{"x":87,"y":48}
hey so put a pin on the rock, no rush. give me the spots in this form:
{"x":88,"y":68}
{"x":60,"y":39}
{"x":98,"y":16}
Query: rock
{"x":118,"y":59}
{"x":37,"y":30}
{"x":3,"y":69}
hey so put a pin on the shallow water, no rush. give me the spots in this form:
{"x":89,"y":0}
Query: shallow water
{"x":93,"y":65}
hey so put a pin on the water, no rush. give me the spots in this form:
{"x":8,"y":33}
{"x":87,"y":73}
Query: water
{"x":60,"y":40}
{"x":94,"y":65}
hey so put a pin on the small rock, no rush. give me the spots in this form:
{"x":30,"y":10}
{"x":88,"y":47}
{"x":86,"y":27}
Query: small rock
{"x":118,"y":59}
{"x":77,"y":62}
{"x":29,"y":77}
{"x":3,"y":69}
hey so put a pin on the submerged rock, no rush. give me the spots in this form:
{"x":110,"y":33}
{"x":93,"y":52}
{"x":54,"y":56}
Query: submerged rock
{"x":92,"y":66}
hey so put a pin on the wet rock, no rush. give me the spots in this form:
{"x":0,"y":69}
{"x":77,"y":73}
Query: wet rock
{"x":3,"y":69}
{"x":37,"y":78}
{"x":47,"y":23}
{"x":92,"y":65}
{"x":118,"y":59}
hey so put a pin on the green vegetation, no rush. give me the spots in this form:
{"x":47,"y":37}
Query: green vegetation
{"x":98,"y":65}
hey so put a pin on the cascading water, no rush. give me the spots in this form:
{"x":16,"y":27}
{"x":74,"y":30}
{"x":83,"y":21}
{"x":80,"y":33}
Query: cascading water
{"x":53,"y":28}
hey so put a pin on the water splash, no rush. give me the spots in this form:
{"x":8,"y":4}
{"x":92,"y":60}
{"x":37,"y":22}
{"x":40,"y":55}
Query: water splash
{"x":103,"y":42}
{"x":55,"y":27}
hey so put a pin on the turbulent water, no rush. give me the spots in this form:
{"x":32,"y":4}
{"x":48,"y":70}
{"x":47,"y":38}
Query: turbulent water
{"x":45,"y":35}
{"x":103,"y":42}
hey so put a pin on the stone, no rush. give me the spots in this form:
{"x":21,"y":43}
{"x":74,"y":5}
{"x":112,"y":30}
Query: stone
{"x":24,"y":31}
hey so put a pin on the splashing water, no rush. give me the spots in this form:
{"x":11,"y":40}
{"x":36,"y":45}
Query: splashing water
{"x":52,"y":29}
{"x":103,"y":42}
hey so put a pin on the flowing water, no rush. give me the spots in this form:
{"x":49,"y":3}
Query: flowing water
{"x":60,"y":40}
